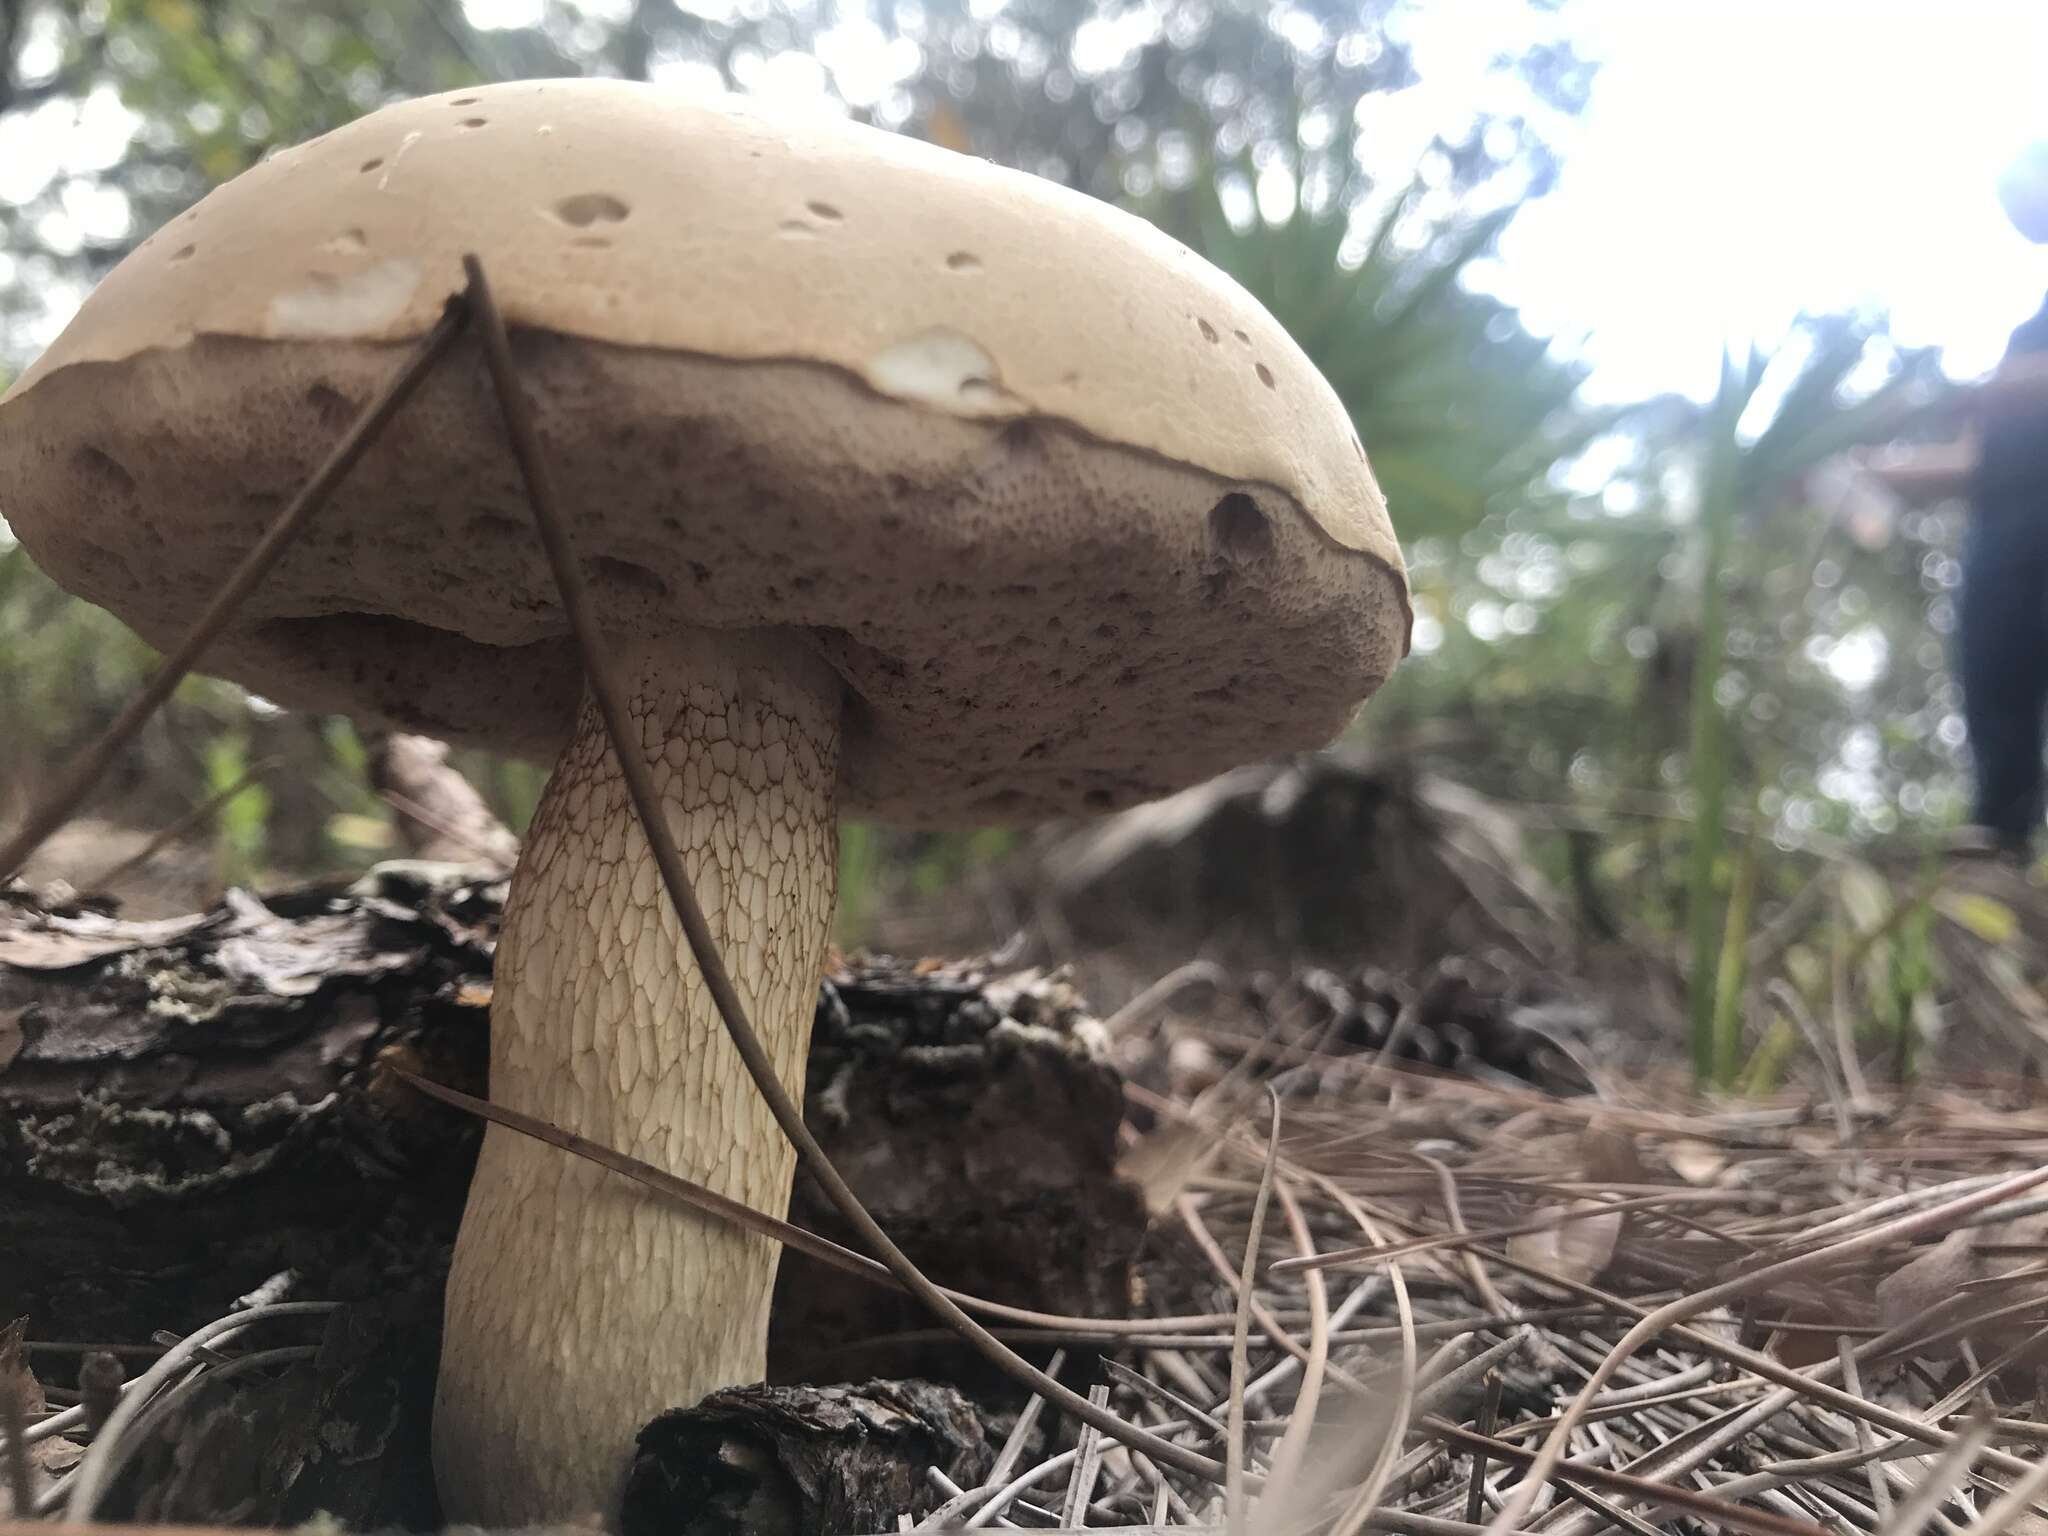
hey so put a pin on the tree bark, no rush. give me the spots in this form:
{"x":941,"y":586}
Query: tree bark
{"x":801,"y":1461}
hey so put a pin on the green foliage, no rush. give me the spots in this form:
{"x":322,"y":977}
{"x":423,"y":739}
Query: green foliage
{"x":512,"y":785}
{"x":1460,"y":408}
{"x":860,"y":878}
{"x":1714,"y":1020}
{"x":242,"y":822}
{"x":881,"y":870}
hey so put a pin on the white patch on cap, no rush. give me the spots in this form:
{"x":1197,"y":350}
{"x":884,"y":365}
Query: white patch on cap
{"x":941,"y":367}
{"x":361,"y":304}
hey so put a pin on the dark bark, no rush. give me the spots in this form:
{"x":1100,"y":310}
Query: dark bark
{"x":342,"y":1434}
{"x":438,"y":812}
{"x":188,"y":1108}
{"x":803,"y":1461}
{"x":977,"y":1120}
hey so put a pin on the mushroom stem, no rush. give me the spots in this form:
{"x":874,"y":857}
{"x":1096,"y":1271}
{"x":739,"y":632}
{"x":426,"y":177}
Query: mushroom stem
{"x":578,"y":1305}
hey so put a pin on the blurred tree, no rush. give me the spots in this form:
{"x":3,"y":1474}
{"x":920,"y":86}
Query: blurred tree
{"x":116,"y":114}
{"x":1567,"y":618}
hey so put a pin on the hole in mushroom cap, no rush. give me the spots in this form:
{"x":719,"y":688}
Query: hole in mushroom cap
{"x":370,"y":165}
{"x":103,"y":472}
{"x":825,"y":211}
{"x":1239,"y":530}
{"x":183,"y":253}
{"x":334,"y":409}
{"x":1243,"y":336}
{"x":797,"y":229}
{"x":628,"y":577}
{"x":591,"y":243}
{"x":1023,"y":439}
{"x":1208,"y":331}
{"x":1266,"y":376}
{"x":463,"y":101}
{"x":349,"y":242}
{"x":473,"y":122}
{"x":963,"y":261}
{"x":583,"y":209}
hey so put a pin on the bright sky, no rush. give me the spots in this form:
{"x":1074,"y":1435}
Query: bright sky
{"x":1741,"y":159}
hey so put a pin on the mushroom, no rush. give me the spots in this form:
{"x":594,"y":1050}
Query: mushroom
{"x":904,"y":484}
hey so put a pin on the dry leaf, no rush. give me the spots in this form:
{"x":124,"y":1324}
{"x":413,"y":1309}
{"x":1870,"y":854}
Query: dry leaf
{"x":1167,"y":1160}
{"x":1801,"y":1347}
{"x":1696,"y":1162}
{"x":48,"y":1457}
{"x":1925,"y":1289}
{"x":1578,"y":1246}
{"x":1974,"y":1271}
{"x":16,"y":1379}
{"x":1608,"y":1155}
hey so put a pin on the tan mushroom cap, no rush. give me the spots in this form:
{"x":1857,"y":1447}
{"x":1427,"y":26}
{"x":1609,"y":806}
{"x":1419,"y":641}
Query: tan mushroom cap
{"x":1069,"y":511}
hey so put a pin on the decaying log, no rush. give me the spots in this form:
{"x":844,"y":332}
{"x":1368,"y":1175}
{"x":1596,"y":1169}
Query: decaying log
{"x":803,"y":1461}
{"x":191,"y":1108}
{"x":340,"y":1434}
{"x":976,"y":1118}
{"x":439,"y":814}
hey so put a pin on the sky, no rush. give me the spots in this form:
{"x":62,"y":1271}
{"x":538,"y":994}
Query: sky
{"x":1740,"y":160}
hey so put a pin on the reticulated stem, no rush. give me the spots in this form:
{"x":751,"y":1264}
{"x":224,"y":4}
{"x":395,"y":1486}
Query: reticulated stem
{"x":580,"y":1306}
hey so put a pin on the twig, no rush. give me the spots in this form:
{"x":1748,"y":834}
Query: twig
{"x":90,"y":1480}
{"x":1240,"y":1367}
{"x":1719,"y":1511}
{"x":1789,"y":1002}
{"x":1287,"y":1457}
{"x":1020,"y":1432}
{"x":1489,"y":1412}
{"x":1365,"y":1505}
{"x":1552,"y":1453}
{"x":1087,"y":1466}
{"x":1942,"y":1478}
{"x":1174,"y":982}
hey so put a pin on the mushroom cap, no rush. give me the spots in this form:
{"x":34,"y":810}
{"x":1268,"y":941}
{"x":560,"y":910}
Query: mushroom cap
{"x":1070,"y":513}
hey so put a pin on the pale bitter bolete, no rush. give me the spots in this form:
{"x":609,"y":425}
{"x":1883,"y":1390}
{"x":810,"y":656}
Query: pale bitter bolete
{"x":904,"y":483}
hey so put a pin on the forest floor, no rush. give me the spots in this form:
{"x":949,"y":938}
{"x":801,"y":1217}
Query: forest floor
{"x":1433,"y":1238}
